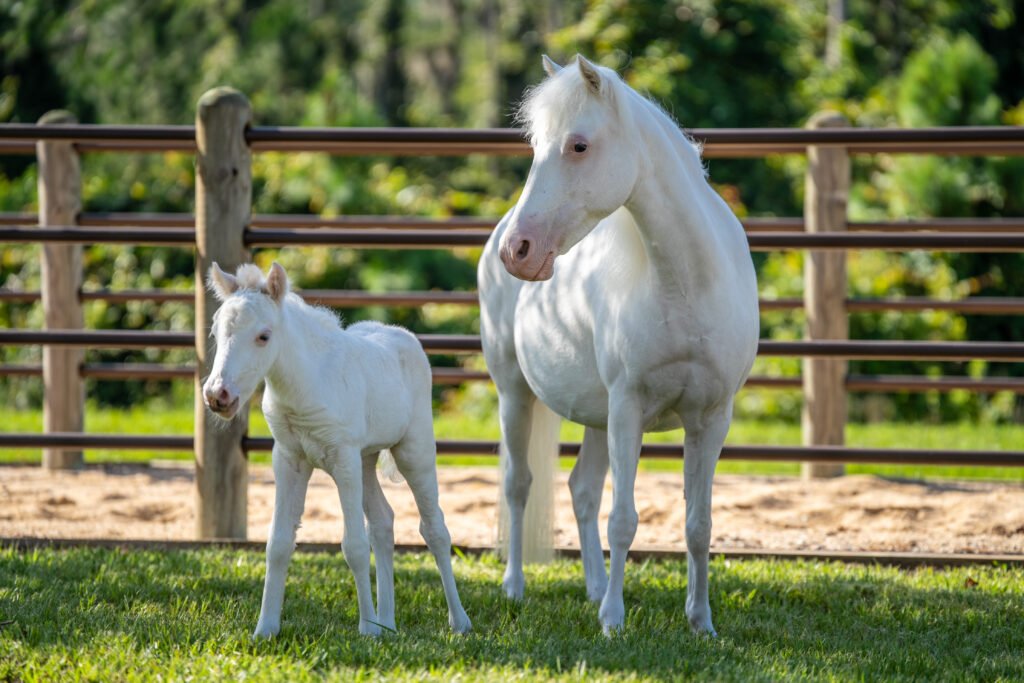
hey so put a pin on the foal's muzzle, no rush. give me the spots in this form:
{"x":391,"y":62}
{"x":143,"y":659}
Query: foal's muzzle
{"x":221,"y":401}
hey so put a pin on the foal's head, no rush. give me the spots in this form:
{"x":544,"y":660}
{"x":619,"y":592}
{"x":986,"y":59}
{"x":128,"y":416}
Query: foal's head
{"x":585,"y":165}
{"x":245,"y":327}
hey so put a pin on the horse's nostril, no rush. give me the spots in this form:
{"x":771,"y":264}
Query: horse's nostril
{"x":524,"y":249}
{"x":222,"y":396}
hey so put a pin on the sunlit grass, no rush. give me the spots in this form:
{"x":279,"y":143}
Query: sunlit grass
{"x":141,"y":615}
{"x":451,"y":425}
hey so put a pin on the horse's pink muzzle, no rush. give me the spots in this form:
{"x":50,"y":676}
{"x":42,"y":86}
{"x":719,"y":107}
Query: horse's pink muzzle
{"x":527,"y":257}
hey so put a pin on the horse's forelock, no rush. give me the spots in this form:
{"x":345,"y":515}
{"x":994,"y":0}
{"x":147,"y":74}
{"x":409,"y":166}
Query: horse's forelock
{"x":548,"y":108}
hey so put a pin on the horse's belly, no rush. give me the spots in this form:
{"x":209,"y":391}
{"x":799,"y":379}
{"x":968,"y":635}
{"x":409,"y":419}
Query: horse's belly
{"x":561,"y":369}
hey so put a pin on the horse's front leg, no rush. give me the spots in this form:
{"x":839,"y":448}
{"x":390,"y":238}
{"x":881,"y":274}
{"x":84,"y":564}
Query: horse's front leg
{"x":702,"y":446}
{"x":291,"y":477}
{"x":586,"y":483}
{"x":625,"y":431}
{"x":346,"y":470}
{"x":516,"y":414}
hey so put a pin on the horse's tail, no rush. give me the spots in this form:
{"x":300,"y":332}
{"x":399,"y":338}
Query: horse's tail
{"x":542,"y":459}
{"x":388,"y":468}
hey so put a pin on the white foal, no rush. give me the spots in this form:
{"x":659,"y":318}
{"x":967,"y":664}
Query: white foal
{"x":334,"y":399}
{"x":620,"y":292}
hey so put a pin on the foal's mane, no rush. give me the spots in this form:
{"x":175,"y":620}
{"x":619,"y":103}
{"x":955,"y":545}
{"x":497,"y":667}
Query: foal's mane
{"x":253,"y":282}
{"x":548,"y":109}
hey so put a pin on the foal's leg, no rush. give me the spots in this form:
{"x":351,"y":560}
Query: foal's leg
{"x":416,"y":460}
{"x":346,"y":472}
{"x":381,"y":523}
{"x":702,"y":446}
{"x":516,"y":414}
{"x":587,"y":484}
{"x":291,"y":477}
{"x":625,"y":432}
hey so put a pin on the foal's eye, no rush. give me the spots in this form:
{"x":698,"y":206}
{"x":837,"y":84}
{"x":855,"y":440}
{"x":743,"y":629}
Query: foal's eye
{"x":579,"y":147}
{"x":263,"y":338}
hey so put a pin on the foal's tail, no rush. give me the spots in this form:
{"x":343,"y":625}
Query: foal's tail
{"x":388,"y":468}
{"x":539,"y":516}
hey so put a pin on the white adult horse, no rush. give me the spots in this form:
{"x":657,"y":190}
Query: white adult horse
{"x":335,"y":399}
{"x":621,"y":293}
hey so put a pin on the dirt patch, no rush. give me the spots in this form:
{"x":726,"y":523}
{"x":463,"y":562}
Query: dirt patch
{"x":850,"y":513}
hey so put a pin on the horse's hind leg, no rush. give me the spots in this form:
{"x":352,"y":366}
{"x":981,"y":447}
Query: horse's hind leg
{"x":291,"y":477}
{"x":381,"y":524}
{"x":416,"y":460}
{"x":702,"y":447}
{"x":516,"y":415}
{"x":587,"y":484}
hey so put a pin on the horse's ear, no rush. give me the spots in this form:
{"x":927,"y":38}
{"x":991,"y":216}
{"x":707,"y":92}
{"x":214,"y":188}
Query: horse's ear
{"x":590,"y":74}
{"x":220,"y":283}
{"x":277,"y":282}
{"x":550,"y":67}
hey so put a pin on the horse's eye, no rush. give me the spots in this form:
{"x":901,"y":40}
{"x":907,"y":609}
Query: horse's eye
{"x":263,"y":338}
{"x":579,"y":147}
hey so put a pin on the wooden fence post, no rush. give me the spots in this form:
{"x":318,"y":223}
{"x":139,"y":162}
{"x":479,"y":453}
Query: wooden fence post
{"x":826,"y":191}
{"x":60,"y":192}
{"x":223,"y":206}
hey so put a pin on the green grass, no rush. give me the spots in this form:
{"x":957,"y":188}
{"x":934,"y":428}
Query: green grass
{"x":148,"y":420}
{"x":113,"y":615}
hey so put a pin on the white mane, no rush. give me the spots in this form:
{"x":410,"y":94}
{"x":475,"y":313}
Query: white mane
{"x":549,"y":108}
{"x":252,"y":283}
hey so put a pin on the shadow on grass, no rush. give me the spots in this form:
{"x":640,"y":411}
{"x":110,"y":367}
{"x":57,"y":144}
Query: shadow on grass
{"x":776,"y":620}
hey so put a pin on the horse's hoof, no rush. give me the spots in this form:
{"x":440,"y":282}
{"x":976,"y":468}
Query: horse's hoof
{"x":265,"y":631}
{"x":702,"y":626}
{"x":514,"y":586}
{"x":612,"y":616}
{"x":595,"y":593}
{"x":460,"y":623}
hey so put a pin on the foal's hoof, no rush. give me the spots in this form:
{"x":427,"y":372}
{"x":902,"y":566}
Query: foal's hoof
{"x":368,"y":628}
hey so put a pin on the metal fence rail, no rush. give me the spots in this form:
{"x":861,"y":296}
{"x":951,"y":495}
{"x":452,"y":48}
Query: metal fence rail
{"x":850,"y":454}
{"x":458,"y":343}
{"x":719,"y":142}
{"x":425,"y":238}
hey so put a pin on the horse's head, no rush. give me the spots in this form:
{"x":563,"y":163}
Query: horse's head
{"x":246,"y":329}
{"x":585,"y":165}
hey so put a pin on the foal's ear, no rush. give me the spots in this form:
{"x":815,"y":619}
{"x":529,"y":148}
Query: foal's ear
{"x":220,"y":283}
{"x":590,"y":74}
{"x":277,"y":282}
{"x":550,"y":67}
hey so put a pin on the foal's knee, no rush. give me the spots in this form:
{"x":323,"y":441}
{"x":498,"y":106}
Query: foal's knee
{"x":585,"y":500}
{"x":382,"y":527}
{"x":357,"y":552}
{"x":435,"y":534}
{"x":279,"y":551}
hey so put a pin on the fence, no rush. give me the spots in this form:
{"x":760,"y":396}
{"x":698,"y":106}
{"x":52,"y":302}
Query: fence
{"x":223,"y":140}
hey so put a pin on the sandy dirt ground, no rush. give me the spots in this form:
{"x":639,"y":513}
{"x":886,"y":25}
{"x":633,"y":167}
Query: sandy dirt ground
{"x":850,"y":513}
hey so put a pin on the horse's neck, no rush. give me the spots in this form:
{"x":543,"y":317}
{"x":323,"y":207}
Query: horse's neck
{"x":296,"y":375}
{"x":683,"y":222}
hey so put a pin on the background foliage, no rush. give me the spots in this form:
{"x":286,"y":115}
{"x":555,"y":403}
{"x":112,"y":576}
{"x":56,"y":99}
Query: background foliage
{"x":727,"y":63}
